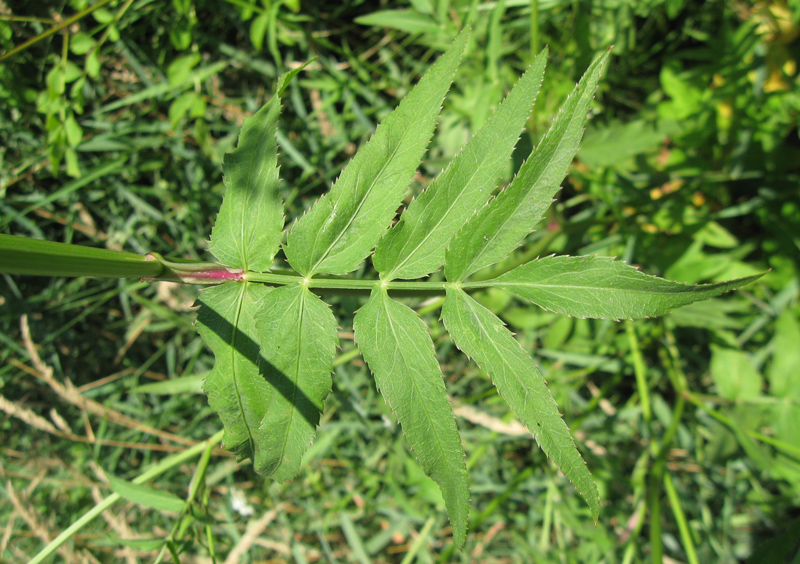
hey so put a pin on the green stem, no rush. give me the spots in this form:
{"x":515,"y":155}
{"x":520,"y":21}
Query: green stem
{"x":640,"y":370}
{"x":654,"y":506}
{"x":55,"y":29}
{"x":658,"y":471}
{"x":421,"y":539}
{"x":344,"y":283}
{"x":20,"y":255}
{"x":680,"y":519}
{"x":11,"y":18}
{"x":157,"y":470}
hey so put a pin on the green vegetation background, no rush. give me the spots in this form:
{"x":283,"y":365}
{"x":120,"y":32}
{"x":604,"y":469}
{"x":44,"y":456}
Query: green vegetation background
{"x":113,"y":129}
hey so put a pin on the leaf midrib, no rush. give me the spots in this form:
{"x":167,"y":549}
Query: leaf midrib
{"x":510,"y":285}
{"x":520,"y":384}
{"x":292,"y":408}
{"x":469,"y":302}
{"x":470,"y":266}
{"x":234,"y":334}
{"x":244,"y":210}
{"x":372,"y":185}
{"x":384,"y":301}
{"x":446,"y":214}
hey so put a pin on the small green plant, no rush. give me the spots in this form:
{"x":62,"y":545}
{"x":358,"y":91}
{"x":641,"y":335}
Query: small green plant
{"x":274,"y":338}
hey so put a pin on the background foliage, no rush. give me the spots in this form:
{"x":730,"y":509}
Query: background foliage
{"x":113,"y":130}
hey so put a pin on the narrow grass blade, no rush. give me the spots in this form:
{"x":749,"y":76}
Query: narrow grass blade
{"x":396,"y":345}
{"x":298,"y":338}
{"x":68,"y":188}
{"x":498,"y":227}
{"x":153,"y":472}
{"x":249,"y":225}
{"x":414,"y":247}
{"x":235,"y":387}
{"x":482,"y":336}
{"x":601,"y":287}
{"x":345,"y":224}
{"x":165,"y":88}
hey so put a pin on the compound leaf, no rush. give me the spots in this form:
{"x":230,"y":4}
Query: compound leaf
{"x":414,"y":247}
{"x":343,"y":226}
{"x":483,"y":337}
{"x":235,"y":387}
{"x":601,"y":287}
{"x":400,"y":353}
{"x":298,"y":338}
{"x":497,"y":229}
{"x":249,"y":225}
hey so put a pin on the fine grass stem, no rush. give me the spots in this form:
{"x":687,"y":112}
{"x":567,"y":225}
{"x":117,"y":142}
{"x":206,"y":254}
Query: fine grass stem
{"x":155,"y":471}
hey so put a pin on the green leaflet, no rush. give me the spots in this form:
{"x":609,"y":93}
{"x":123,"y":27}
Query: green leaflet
{"x":498,"y":227}
{"x":249,"y":225}
{"x":483,"y":337}
{"x":298,"y":338}
{"x":396,"y":345}
{"x":601,"y":287}
{"x":236,"y":388}
{"x":343,"y":226}
{"x":415,"y":246}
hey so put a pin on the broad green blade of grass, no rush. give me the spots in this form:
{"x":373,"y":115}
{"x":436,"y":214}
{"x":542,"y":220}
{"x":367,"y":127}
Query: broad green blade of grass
{"x":414,"y":247}
{"x":249,"y":225}
{"x":482,"y":336}
{"x":20,"y":255}
{"x":183,"y":385}
{"x":235,"y":387}
{"x":497,"y":229}
{"x":396,"y":345}
{"x":343,"y":226}
{"x":145,"y":495}
{"x":601,"y":287}
{"x":298,"y":338}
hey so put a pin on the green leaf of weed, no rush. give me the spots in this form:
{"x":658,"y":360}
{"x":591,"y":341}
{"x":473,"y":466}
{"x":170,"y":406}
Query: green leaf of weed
{"x":482,"y":336}
{"x":602,"y":288}
{"x":404,"y":20}
{"x":398,"y":348}
{"x":414,"y":247}
{"x":497,"y":229}
{"x":236,"y":388}
{"x":734,"y":374}
{"x":249,"y":225}
{"x":344,"y":225}
{"x":298,"y":338}
{"x":784,"y":371}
